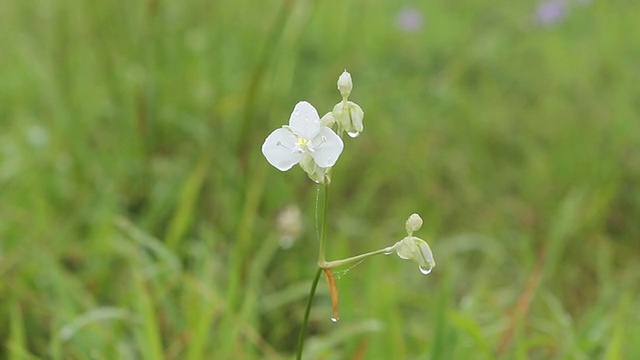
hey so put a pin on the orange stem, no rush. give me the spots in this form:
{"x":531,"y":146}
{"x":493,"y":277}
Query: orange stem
{"x":333,"y":290}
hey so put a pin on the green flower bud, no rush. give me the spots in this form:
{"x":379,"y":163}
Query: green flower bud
{"x":316,"y":173}
{"x":414,"y":222}
{"x":416,"y":249}
{"x":328,"y":120}
{"x":345,"y":85}
{"x":349,"y":117}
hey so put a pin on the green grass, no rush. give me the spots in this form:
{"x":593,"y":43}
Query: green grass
{"x":138,"y":217}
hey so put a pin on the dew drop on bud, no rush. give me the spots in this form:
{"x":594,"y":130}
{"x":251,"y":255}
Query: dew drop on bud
{"x":335,"y":319}
{"x":353,"y":134}
{"x":425,"y":270}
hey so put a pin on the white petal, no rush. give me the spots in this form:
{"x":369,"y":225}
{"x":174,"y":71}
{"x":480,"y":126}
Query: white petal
{"x":327,"y":147}
{"x":404,"y":248}
{"x":304,"y":120}
{"x":279,"y":147}
{"x":426,"y":256}
{"x":356,"y":114}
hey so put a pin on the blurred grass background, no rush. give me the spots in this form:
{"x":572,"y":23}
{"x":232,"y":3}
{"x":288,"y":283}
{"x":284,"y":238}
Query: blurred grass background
{"x":138,"y":217}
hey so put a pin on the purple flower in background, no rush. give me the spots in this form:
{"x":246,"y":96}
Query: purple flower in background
{"x":409,"y":19}
{"x":550,"y":12}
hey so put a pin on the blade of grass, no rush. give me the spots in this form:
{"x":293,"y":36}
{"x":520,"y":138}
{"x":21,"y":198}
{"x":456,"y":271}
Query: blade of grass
{"x":17,"y":342}
{"x":184,"y":214}
{"x":147,"y":332}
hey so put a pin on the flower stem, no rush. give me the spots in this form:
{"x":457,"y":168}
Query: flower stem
{"x":349,"y":260}
{"x":322,"y":197}
{"x":307,"y":311}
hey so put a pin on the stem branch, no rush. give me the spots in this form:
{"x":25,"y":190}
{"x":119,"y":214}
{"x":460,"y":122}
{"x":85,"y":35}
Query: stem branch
{"x":349,"y":260}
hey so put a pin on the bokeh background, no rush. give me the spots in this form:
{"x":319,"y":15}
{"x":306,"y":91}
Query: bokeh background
{"x":139,"y":220}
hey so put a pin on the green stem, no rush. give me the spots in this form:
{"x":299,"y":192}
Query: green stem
{"x":349,"y":260}
{"x":322,"y":195}
{"x":322,"y":198}
{"x":307,"y":311}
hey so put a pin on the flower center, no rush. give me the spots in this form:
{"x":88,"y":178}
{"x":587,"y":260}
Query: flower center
{"x":303,"y":145}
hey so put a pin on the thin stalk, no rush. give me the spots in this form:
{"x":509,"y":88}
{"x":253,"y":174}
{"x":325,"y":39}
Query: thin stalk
{"x":307,"y":311}
{"x":349,"y":260}
{"x":322,"y":195}
{"x":322,"y":198}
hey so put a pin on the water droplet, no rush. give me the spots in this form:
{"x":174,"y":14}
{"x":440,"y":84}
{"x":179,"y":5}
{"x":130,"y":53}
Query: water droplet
{"x":335,"y":319}
{"x":353,"y":134}
{"x":425,"y":270}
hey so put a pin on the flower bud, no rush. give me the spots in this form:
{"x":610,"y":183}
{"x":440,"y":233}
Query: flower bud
{"x":416,"y":249}
{"x":345,"y":85}
{"x":328,"y":120}
{"x":316,"y":173}
{"x":349,"y":117}
{"x":414,"y":222}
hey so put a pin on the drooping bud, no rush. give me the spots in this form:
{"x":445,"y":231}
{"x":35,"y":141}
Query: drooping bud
{"x":349,"y":117}
{"x":416,"y":249}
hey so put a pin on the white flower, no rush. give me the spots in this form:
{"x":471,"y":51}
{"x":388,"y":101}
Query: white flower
{"x":304,"y":137}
